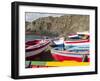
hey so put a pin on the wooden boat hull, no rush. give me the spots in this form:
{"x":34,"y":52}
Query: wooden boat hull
{"x":81,"y":43}
{"x":79,"y":35}
{"x":34,"y":50}
{"x":58,"y":42}
{"x":77,"y":49}
{"x":74,"y":36}
{"x":69,"y":56}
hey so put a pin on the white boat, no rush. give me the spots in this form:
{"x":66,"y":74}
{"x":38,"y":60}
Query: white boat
{"x":58,"y":42}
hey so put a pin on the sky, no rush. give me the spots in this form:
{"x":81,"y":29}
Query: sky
{"x":30,"y":16}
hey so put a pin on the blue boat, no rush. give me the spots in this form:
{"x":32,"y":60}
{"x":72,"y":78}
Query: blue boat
{"x":76,"y":46}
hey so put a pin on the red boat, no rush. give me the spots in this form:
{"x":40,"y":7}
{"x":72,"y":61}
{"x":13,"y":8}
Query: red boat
{"x":72,"y":56}
{"x":35,"y":47}
{"x":77,"y":42}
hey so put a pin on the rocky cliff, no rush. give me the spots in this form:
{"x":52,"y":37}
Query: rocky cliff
{"x":58,"y":26}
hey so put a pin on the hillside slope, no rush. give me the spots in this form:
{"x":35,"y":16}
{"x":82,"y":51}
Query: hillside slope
{"x":58,"y":26}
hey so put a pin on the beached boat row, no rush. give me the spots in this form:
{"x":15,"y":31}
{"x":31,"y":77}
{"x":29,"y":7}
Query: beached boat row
{"x":76,"y":49}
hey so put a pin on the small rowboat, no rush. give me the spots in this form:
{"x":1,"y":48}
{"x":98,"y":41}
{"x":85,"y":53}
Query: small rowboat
{"x":71,"y":56}
{"x":85,"y":33}
{"x":77,"y":43}
{"x":58,"y":42}
{"x":79,"y":35}
{"x":73,"y":36}
{"x":35,"y":47}
{"x":77,"y":49}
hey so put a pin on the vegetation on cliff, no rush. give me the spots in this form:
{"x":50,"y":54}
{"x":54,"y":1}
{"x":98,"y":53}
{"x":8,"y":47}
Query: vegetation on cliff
{"x":58,"y":26}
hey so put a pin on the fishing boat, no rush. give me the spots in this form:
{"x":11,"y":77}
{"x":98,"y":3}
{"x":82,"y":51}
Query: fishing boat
{"x":58,"y":42}
{"x":78,"y":49}
{"x":71,"y":56}
{"x":79,"y":40}
{"x":73,"y":36}
{"x":85,"y":33}
{"x":79,"y":35}
{"x":35,"y":47}
{"x":84,"y":43}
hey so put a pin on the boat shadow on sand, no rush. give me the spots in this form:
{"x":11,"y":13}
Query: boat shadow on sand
{"x":43,"y":56}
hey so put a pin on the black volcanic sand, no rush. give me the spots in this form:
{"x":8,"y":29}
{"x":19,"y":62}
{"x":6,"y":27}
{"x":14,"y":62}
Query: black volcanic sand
{"x":43,"y":56}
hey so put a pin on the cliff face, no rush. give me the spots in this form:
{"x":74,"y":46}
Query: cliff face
{"x":58,"y":26}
